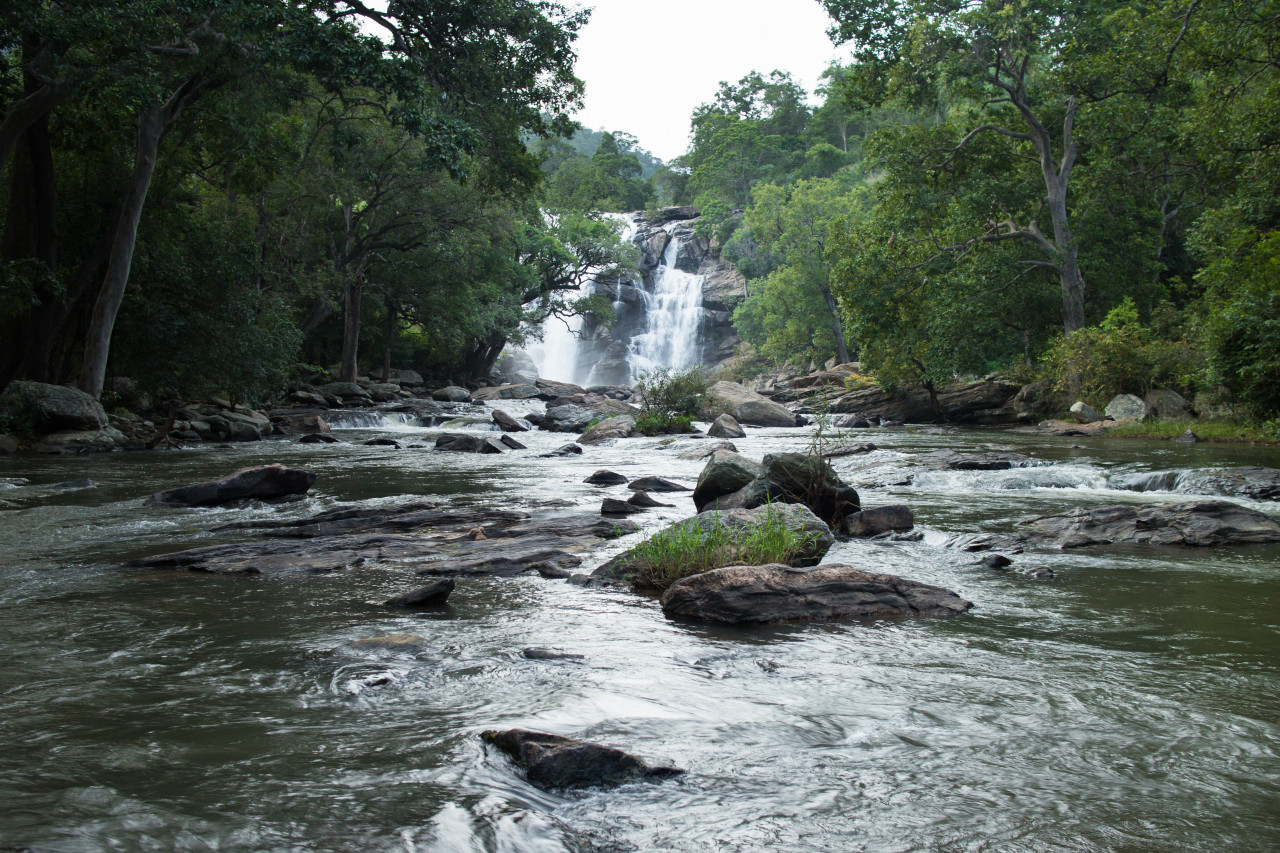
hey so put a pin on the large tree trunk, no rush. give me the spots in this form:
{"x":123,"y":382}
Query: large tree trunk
{"x":1069,"y":269}
{"x":842,"y":351}
{"x":35,"y":105}
{"x":351,"y":295}
{"x":387,"y":340}
{"x":152,"y":125}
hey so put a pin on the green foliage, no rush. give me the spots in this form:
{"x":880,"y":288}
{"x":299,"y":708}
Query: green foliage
{"x":610,"y":179}
{"x":1120,"y":355}
{"x":688,"y":549}
{"x":670,"y":399}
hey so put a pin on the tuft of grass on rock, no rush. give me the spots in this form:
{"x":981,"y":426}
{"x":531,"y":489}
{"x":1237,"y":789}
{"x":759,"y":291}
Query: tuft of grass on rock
{"x":1221,"y":431}
{"x":683,"y":551}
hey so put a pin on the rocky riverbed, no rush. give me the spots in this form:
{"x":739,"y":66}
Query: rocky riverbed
{"x":1127,"y":692}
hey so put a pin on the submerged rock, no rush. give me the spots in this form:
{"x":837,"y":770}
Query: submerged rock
{"x":777,"y":593}
{"x":263,"y":481}
{"x":534,"y":653}
{"x":553,"y":761}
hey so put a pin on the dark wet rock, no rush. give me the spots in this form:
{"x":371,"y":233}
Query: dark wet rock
{"x":981,"y":402}
{"x":383,"y":442}
{"x":306,"y":424}
{"x":613,"y":506}
{"x":263,"y":481}
{"x":703,"y":449}
{"x":580,"y":580}
{"x":748,"y":407}
{"x":40,"y":408}
{"x":8,"y":444}
{"x":534,"y":653}
{"x":1246,"y":481}
{"x":605,"y":478}
{"x":510,"y":442}
{"x":618,"y":426}
{"x":451,"y":394}
{"x":1125,"y":406}
{"x":507,"y":423}
{"x":725,"y":473}
{"x":551,"y":571}
{"x":461,"y":442}
{"x":974,"y":543}
{"x":954,"y":460}
{"x":549,"y":389}
{"x":433,"y":594}
{"x":726,"y":427}
{"x":565,"y":450}
{"x":644,"y":499}
{"x":553,"y":761}
{"x":850,"y":422}
{"x":777,"y":593}
{"x":1188,"y":437}
{"x":73,"y":442}
{"x":518,"y":391}
{"x":656,"y":484}
{"x":733,"y":526}
{"x":798,"y":478}
{"x":430,"y":540}
{"x":996,"y":562}
{"x":839,"y":450}
{"x":881,"y":519}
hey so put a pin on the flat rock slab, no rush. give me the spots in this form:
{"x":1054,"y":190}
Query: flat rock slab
{"x":262,"y":481}
{"x":954,"y":460}
{"x":777,"y":593}
{"x":656,"y":484}
{"x":1192,"y":524}
{"x":430,"y":541}
{"x":1247,"y":481}
{"x":553,"y":761}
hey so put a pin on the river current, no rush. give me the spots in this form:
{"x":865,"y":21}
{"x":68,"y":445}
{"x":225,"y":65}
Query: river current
{"x":1131,"y":703}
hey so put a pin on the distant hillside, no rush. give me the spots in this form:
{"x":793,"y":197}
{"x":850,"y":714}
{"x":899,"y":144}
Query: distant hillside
{"x":586,"y":141}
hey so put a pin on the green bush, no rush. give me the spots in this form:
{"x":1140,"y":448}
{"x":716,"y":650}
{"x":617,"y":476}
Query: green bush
{"x":669,"y":399}
{"x":1122,"y":356}
{"x":686,"y":550}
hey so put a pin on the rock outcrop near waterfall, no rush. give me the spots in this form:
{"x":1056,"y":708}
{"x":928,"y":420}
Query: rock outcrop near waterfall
{"x":677,"y":312}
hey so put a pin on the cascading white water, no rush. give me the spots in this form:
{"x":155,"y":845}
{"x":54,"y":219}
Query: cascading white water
{"x":674,"y":311}
{"x":556,"y":355}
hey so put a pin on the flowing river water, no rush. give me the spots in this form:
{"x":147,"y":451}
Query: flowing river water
{"x":1132,"y":703}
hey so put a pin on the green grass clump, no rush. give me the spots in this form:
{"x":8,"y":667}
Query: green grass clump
{"x":1224,"y":431}
{"x":662,"y":423}
{"x":686,"y":550}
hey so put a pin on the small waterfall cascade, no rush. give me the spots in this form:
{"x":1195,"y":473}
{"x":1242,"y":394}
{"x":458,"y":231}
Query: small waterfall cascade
{"x":674,"y":313}
{"x":558,"y":355}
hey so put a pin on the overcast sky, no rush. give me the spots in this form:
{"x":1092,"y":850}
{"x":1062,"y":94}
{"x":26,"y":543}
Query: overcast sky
{"x":648,"y":63}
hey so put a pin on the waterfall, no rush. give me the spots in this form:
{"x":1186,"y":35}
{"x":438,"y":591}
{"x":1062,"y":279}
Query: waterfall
{"x":558,"y":355}
{"x":674,"y":312}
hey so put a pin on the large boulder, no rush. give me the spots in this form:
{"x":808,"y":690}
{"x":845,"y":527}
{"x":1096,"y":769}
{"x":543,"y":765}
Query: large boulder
{"x":713,"y":539}
{"x":72,"y":442}
{"x":517,"y":367}
{"x":725,"y":473}
{"x":747,"y":406}
{"x":553,"y":761}
{"x":726,"y":427}
{"x":39,"y":408}
{"x":567,"y":418}
{"x":262,"y":481}
{"x":619,"y":426}
{"x":794,"y":478}
{"x":1167,"y":405}
{"x":778,"y":593}
{"x":451,"y":394}
{"x":349,"y":393}
{"x":1124,"y":406}
{"x":507,"y":423}
{"x":1084,"y":413}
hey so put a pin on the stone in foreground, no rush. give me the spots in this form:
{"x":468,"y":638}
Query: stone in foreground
{"x":262,"y":481}
{"x":554,"y":761}
{"x":777,"y":593}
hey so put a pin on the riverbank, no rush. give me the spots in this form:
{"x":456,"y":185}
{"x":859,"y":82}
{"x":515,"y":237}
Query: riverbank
{"x":1221,"y":432}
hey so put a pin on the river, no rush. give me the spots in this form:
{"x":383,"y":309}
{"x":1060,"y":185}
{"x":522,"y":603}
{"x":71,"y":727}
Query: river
{"x":1132,"y":703}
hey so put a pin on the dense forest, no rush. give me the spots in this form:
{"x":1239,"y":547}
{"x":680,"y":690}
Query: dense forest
{"x":227,"y":195}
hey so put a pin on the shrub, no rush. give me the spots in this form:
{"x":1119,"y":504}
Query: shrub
{"x":669,"y":399}
{"x":688,"y":549}
{"x":1121,"y":356}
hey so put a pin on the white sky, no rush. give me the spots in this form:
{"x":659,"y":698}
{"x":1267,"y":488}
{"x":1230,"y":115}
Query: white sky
{"x":648,"y":63}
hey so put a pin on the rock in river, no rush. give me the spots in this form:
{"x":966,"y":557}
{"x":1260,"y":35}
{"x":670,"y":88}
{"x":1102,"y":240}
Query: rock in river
{"x":882,"y":519}
{"x":461,"y":442}
{"x":656,"y":484}
{"x":553,"y":761}
{"x":263,"y":481}
{"x":777,"y":593}
{"x":726,"y":427}
{"x":432,"y":595}
{"x":605,"y":478}
{"x":748,"y":407}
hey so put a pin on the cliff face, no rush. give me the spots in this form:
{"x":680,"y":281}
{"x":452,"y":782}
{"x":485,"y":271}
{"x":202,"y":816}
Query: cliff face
{"x":655,"y":324}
